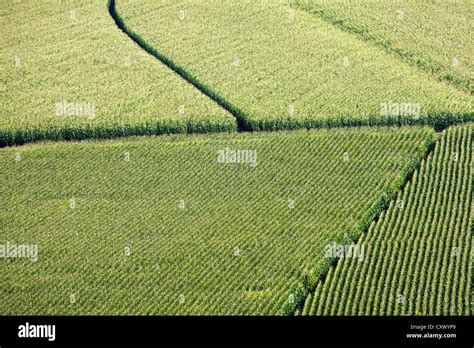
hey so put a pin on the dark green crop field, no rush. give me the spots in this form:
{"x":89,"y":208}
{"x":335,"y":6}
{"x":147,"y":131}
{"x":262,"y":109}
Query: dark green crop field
{"x":250,"y":157}
{"x":419,"y":258}
{"x":139,"y":226}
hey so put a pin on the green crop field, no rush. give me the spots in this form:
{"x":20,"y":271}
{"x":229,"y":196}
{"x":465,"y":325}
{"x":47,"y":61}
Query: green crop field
{"x":410,"y":30}
{"x":60,"y":80}
{"x":419,"y":251}
{"x":229,"y":238}
{"x":281,"y":67}
{"x":244,"y":157}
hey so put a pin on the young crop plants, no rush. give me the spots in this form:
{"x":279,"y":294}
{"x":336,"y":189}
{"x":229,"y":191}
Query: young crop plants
{"x":417,"y":256}
{"x":432,"y":35}
{"x":276,"y":66}
{"x":69,"y":73}
{"x":203,"y":224}
{"x":358,"y":202}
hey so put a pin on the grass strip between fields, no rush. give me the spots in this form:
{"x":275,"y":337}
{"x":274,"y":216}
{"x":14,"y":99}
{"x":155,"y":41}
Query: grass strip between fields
{"x":26,"y":130}
{"x":282,"y":73}
{"x":73,"y":75}
{"x":206,"y":90}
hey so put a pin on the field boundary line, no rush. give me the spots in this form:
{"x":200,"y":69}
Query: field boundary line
{"x":17,"y":136}
{"x":321,"y":271}
{"x":430,"y":68}
{"x":21,"y":136}
{"x":242,"y":124}
{"x":246,"y":123}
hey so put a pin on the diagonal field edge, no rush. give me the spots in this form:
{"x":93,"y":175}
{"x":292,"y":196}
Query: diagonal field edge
{"x":444,"y":138}
{"x":309,"y":281}
{"x":16,"y":137}
{"x":419,"y":147}
{"x":431,"y":71}
{"x":439,"y":121}
{"x":242,"y":124}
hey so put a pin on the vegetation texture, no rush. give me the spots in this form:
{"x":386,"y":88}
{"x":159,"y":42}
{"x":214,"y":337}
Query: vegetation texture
{"x":280,"y":67}
{"x":236,"y":223}
{"x":418,"y":254}
{"x":62,"y":80}
{"x":163,"y":226}
{"x":432,"y":35}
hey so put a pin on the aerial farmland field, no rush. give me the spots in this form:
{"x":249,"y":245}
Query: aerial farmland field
{"x":407,"y":250}
{"x":414,"y":33}
{"x":236,"y":158}
{"x":174,"y":207}
{"x":95,"y":84}
{"x":282,"y":68}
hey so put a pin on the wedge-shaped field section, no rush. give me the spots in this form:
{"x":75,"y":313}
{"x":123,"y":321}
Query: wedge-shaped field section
{"x":280,"y":67}
{"x":416,"y":260}
{"x":69,"y":72}
{"x":199,"y":224}
{"x":433,"y":35}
